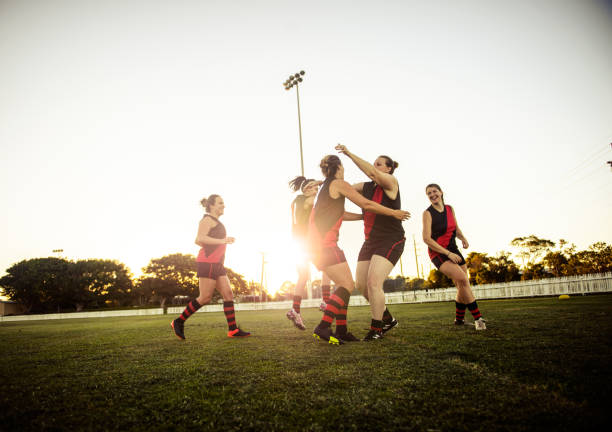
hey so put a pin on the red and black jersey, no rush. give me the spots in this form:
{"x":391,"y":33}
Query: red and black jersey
{"x":443,"y":229}
{"x":377,"y":226}
{"x":325,"y":218}
{"x":299,"y":217}
{"x":213,"y":253}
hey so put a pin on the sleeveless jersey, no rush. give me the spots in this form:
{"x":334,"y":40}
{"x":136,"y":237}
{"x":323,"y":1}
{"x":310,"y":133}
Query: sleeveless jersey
{"x":443,"y":229}
{"x":377,"y":226}
{"x":299,"y":217}
{"x":325,"y":218}
{"x":214,"y":253}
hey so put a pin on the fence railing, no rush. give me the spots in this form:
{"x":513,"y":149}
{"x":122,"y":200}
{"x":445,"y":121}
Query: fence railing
{"x":571,"y":285}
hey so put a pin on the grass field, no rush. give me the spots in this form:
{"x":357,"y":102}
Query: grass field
{"x":543,"y":364}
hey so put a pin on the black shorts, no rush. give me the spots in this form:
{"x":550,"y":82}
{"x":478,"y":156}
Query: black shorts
{"x":327,"y":256}
{"x":389,"y":249}
{"x":440,"y":259}
{"x":211,"y":270}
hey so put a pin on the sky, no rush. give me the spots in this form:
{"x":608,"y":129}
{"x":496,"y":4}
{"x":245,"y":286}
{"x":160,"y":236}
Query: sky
{"x":117,"y":117}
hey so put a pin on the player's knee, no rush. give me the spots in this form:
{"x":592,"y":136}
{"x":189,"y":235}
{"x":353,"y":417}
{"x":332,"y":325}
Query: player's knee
{"x":202,"y":300}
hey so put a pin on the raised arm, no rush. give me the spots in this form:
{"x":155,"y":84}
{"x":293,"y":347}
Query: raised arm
{"x":386,"y":181}
{"x":202,"y":238}
{"x":343,"y":188}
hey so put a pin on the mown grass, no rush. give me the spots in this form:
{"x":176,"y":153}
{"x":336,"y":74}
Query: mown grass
{"x":543,"y":364}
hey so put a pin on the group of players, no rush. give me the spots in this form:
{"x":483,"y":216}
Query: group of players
{"x":318,"y":213}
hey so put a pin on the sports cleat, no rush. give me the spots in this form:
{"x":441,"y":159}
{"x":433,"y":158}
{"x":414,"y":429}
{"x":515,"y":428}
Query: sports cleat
{"x":237,"y":333}
{"x":388,"y":326}
{"x":347,"y":337}
{"x":322,"y":306}
{"x":178,"y":325}
{"x":459,"y":322}
{"x":326,"y":335}
{"x":294,"y":316}
{"x":480,"y":324}
{"x":373,"y":335}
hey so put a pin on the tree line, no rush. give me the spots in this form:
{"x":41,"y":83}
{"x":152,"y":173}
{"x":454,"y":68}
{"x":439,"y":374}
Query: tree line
{"x":538,"y":259}
{"x":55,"y":284}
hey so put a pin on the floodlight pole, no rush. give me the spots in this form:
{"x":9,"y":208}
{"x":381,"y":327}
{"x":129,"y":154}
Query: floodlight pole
{"x":293,"y":81}
{"x":297,"y":92}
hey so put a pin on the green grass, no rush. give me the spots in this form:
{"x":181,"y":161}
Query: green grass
{"x":543,"y":364}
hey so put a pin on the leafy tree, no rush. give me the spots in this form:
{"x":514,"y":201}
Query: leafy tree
{"x":532,"y":248}
{"x":478,"y":266}
{"x":238,"y":283}
{"x":170,"y":276}
{"x":437,"y":279}
{"x":417,"y":284}
{"x":39,"y":284}
{"x":503,"y":269}
{"x":535,"y":271}
{"x":556,"y":263}
{"x":96,"y":282}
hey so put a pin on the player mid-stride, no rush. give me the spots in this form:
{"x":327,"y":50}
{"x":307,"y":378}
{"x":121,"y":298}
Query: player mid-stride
{"x":212,"y":275}
{"x":300,"y":212}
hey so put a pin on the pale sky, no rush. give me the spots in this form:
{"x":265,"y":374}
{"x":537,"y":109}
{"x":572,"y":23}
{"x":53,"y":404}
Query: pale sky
{"x":116,"y":117}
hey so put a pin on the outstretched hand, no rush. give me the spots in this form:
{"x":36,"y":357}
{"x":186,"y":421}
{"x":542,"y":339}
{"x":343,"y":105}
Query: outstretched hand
{"x":342,"y":149}
{"x":401,"y":215}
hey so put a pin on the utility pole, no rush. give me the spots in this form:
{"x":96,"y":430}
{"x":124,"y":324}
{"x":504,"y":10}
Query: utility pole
{"x":416,"y":256}
{"x":261,"y":285}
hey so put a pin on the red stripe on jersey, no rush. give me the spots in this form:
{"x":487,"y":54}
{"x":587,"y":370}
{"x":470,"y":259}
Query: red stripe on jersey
{"x":368,"y":217}
{"x":444,"y":239}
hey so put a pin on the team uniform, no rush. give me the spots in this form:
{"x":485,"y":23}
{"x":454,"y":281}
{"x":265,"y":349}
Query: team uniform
{"x":209,"y":263}
{"x":323,"y":228}
{"x":443,"y":231}
{"x":299,"y":225}
{"x":384,"y":235}
{"x":211,"y":258}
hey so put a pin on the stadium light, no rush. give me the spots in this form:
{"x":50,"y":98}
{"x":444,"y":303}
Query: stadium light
{"x":294,"y":81}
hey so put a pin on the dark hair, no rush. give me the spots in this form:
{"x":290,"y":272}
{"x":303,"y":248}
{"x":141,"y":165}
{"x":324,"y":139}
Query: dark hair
{"x":390,"y":163}
{"x":300,"y":182}
{"x":329,"y":165}
{"x":435,"y":185}
{"x":207,"y":203}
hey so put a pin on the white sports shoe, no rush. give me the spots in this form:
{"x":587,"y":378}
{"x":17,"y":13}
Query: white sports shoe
{"x":480,"y":324}
{"x":296,"y":318}
{"x":298,"y":321}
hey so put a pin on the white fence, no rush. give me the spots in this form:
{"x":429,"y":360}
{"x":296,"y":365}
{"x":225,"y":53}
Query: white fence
{"x":573,"y":285}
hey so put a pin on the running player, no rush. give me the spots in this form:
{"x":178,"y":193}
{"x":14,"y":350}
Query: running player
{"x":212,"y":239}
{"x":325,"y":220}
{"x":300,"y":212}
{"x":439,"y":231}
{"x":384,"y":238}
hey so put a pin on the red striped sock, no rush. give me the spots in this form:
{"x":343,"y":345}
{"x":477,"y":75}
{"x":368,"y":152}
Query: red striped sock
{"x":459,"y":311}
{"x":473,"y":307}
{"x":230,"y":314}
{"x":325,"y":290}
{"x":341,"y":321}
{"x":376,"y":325}
{"x":337,"y":301}
{"x":191,"y":308}
{"x":297,"y":301}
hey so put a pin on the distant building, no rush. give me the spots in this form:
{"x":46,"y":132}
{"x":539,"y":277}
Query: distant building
{"x":8,"y":307}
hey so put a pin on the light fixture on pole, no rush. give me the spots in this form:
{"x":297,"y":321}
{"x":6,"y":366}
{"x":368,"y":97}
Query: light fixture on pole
{"x":294,"y":81}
